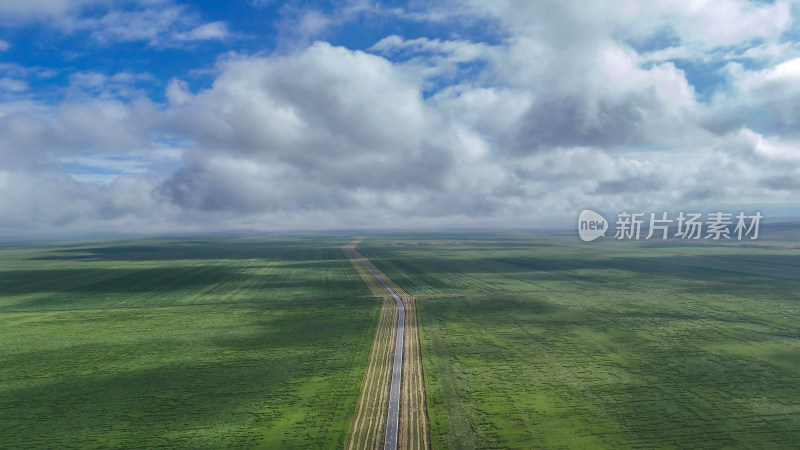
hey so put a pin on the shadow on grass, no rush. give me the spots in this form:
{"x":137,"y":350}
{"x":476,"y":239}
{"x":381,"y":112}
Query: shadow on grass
{"x":737,"y":269}
{"x":275,"y":376}
{"x":182,"y":250}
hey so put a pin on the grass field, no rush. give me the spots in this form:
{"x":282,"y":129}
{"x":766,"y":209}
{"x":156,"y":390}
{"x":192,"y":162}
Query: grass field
{"x":414,"y":431}
{"x":527,"y":340}
{"x":185,"y":344}
{"x":540,"y":262}
{"x":368,"y":427}
{"x":544,"y":341}
{"x":173,"y":271}
{"x":610,"y":370}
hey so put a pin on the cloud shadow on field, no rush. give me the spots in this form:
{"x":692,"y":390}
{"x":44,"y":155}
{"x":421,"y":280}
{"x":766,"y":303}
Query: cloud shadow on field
{"x":91,"y":288}
{"x":278,"y":251}
{"x":130,"y":404}
{"x":700,"y":269}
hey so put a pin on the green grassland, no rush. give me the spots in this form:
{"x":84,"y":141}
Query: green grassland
{"x":175,"y":271}
{"x":545,"y":341}
{"x":192,"y":344}
{"x":541,"y":262}
{"x":611,"y":370}
{"x":528,"y":340}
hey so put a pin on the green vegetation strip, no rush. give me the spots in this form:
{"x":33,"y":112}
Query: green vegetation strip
{"x":368,"y":426}
{"x":414,"y":432}
{"x":175,"y":271}
{"x":537,"y":262}
{"x":612,"y":371}
{"x":277,"y":374}
{"x":225,"y":342}
{"x":539,"y":340}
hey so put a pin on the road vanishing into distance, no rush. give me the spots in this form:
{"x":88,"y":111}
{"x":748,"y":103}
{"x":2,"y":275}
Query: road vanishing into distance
{"x":393,"y":416}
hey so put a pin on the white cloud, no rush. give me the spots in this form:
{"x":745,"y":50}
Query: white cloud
{"x":766,"y":98}
{"x":23,"y":11}
{"x":177,"y":92}
{"x":340,"y":117}
{"x":570,"y":108}
{"x":706,"y":24}
{"x":460,"y":51}
{"x":725,"y":23}
{"x":427,"y":60}
{"x":12,"y":85}
{"x":104,"y":168}
{"x":158,"y":23}
{"x":140,"y":25}
{"x":208,"y":31}
{"x":122,"y":85}
{"x":33,"y":136}
{"x":784,"y":74}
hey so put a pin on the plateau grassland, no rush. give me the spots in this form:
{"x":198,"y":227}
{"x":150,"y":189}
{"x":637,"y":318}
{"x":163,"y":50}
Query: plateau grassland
{"x":224,"y":342}
{"x":540,"y":340}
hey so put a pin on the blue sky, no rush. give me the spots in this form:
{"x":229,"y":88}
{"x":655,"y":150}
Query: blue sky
{"x":160,"y":53}
{"x":167,"y":116}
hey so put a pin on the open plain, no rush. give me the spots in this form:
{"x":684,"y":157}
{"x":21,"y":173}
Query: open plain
{"x":525,"y":339}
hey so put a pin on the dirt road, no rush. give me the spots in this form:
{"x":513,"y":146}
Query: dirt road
{"x":405,"y":415}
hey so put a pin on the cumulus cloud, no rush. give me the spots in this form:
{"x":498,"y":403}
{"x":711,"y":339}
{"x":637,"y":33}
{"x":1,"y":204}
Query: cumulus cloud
{"x":767,"y":97}
{"x":323,"y":124}
{"x":572,"y":105}
{"x":33,"y":135}
{"x":44,"y":203}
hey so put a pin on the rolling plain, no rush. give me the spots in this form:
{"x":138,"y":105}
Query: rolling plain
{"x":546,"y":341}
{"x":227,"y":342}
{"x":527,"y":340}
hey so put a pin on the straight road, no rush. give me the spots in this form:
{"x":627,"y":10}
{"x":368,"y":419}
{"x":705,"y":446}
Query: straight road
{"x":393,"y":415}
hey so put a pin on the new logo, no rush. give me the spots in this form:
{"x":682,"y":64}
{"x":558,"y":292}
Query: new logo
{"x":591,"y":225}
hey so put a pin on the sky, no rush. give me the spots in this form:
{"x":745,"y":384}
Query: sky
{"x":163,"y":116}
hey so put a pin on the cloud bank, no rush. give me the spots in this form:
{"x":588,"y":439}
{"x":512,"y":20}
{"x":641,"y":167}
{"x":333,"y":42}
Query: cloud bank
{"x":568,"y":105}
